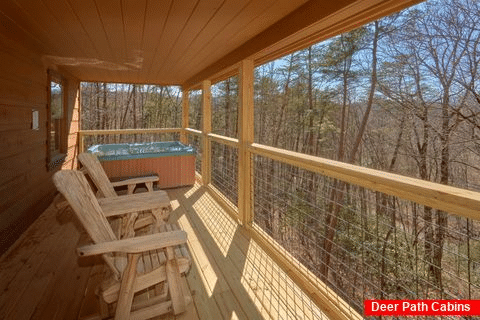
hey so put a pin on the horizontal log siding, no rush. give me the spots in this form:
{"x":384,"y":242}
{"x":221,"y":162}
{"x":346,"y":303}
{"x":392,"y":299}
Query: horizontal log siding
{"x":26,"y":188}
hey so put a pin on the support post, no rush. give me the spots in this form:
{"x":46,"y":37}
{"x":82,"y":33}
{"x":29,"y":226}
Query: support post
{"x":81,"y":142}
{"x":207,"y":128}
{"x":185,"y":115}
{"x":78,"y":107}
{"x":246,"y":130}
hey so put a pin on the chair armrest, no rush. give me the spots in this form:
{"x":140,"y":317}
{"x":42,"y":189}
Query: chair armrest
{"x":134,"y":203}
{"x":135,"y":181}
{"x":137,"y":244}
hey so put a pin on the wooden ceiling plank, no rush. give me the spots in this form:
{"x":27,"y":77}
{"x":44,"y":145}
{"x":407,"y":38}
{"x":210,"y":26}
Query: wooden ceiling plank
{"x":226,"y":35}
{"x":204,"y":12}
{"x":182,"y":11}
{"x":87,"y":15}
{"x":11,"y":32}
{"x":59,"y":41}
{"x":22,"y":27}
{"x":310,"y":13}
{"x":86,"y":12}
{"x":110,"y":13}
{"x":155,"y":23}
{"x":242,"y":34}
{"x":181,"y":41}
{"x":67,"y":18}
{"x":275,"y":41}
{"x":134,"y":14}
{"x":265,"y":19}
{"x":228,"y":12}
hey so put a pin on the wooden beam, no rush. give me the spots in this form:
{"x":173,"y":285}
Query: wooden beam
{"x":207,"y":128}
{"x":232,"y":142}
{"x":81,"y":142}
{"x":245,"y":133}
{"x":314,"y":21}
{"x":185,"y":114}
{"x":194,"y":131}
{"x":453,"y":200}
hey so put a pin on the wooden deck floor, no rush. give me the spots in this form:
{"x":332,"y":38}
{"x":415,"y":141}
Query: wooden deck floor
{"x":231,"y":276}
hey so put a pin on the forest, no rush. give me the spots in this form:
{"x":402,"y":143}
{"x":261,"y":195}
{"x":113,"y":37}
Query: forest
{"x":401,"y":94}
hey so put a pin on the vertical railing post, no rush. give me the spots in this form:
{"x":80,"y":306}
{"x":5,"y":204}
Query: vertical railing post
{"x":185,"y":115}
{"x":246,"y":130}
{"x":81,"y":142}
{"x":207,"y":128}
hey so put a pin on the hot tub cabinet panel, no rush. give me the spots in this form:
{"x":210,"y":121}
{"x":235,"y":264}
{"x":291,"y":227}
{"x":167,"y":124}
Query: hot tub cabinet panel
{"x":173,"y":162}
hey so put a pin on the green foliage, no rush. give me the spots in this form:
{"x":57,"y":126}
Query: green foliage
{"x":341,"y":50}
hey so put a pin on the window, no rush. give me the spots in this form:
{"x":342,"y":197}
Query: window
{"x":56,"y":122}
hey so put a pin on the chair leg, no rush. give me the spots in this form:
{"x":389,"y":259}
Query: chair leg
{"x":104,"y":310}
{"x":104,"y":313}
{"x":149,"y":186}
{"x":126,"y":293}
{"x":159,"y":217}
{"x":174,"y":284}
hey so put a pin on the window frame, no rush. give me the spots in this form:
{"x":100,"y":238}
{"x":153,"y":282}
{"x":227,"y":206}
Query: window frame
{"x":55,"y":159}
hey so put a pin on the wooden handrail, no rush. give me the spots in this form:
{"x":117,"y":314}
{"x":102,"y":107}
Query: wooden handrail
{"x":193,"y":131}
{"x":128,"y":131}
{"x":232,"y":142}
{"x":454,"y":200}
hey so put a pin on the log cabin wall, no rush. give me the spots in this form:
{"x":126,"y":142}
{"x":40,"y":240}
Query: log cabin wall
{"x":26,"y":187}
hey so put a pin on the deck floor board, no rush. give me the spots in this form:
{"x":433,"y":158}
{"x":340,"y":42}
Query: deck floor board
{"x":231,"y":276}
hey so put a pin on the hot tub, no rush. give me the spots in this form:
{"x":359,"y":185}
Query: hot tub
{"x":173,"y":162}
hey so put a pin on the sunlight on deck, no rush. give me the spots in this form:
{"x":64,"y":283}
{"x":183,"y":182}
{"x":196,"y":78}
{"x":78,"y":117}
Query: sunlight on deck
{"x":198,"y":254}
{"x":231,"y":276}
{"x":272,"y":287}
{"x":234,"y":270}
{"x":220,"y":225}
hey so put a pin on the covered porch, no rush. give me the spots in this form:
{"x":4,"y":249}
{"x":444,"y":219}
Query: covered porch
{"x":256,"y":242}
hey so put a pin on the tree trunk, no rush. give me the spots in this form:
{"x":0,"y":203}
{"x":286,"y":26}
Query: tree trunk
{"x":337,"y":194}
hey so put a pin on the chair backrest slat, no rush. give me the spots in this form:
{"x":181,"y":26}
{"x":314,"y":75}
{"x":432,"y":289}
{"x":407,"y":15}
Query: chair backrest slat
{"x":97,"y":174}
{"x":75,"y":188}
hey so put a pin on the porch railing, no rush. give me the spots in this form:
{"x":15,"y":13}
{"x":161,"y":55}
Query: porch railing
{"x":348,"y":233}
{"x":344,"y":233}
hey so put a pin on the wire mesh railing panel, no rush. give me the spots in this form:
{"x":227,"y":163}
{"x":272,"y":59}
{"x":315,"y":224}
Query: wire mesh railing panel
{"x":365,"y":244}
{"x":90,"y":140}
{"x":225,"y":170}
{"x":196,"y":142}
{"x":262,"y":286}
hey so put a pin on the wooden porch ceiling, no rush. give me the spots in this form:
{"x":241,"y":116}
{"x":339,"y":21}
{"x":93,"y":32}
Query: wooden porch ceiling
{"x":175,"y":41}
